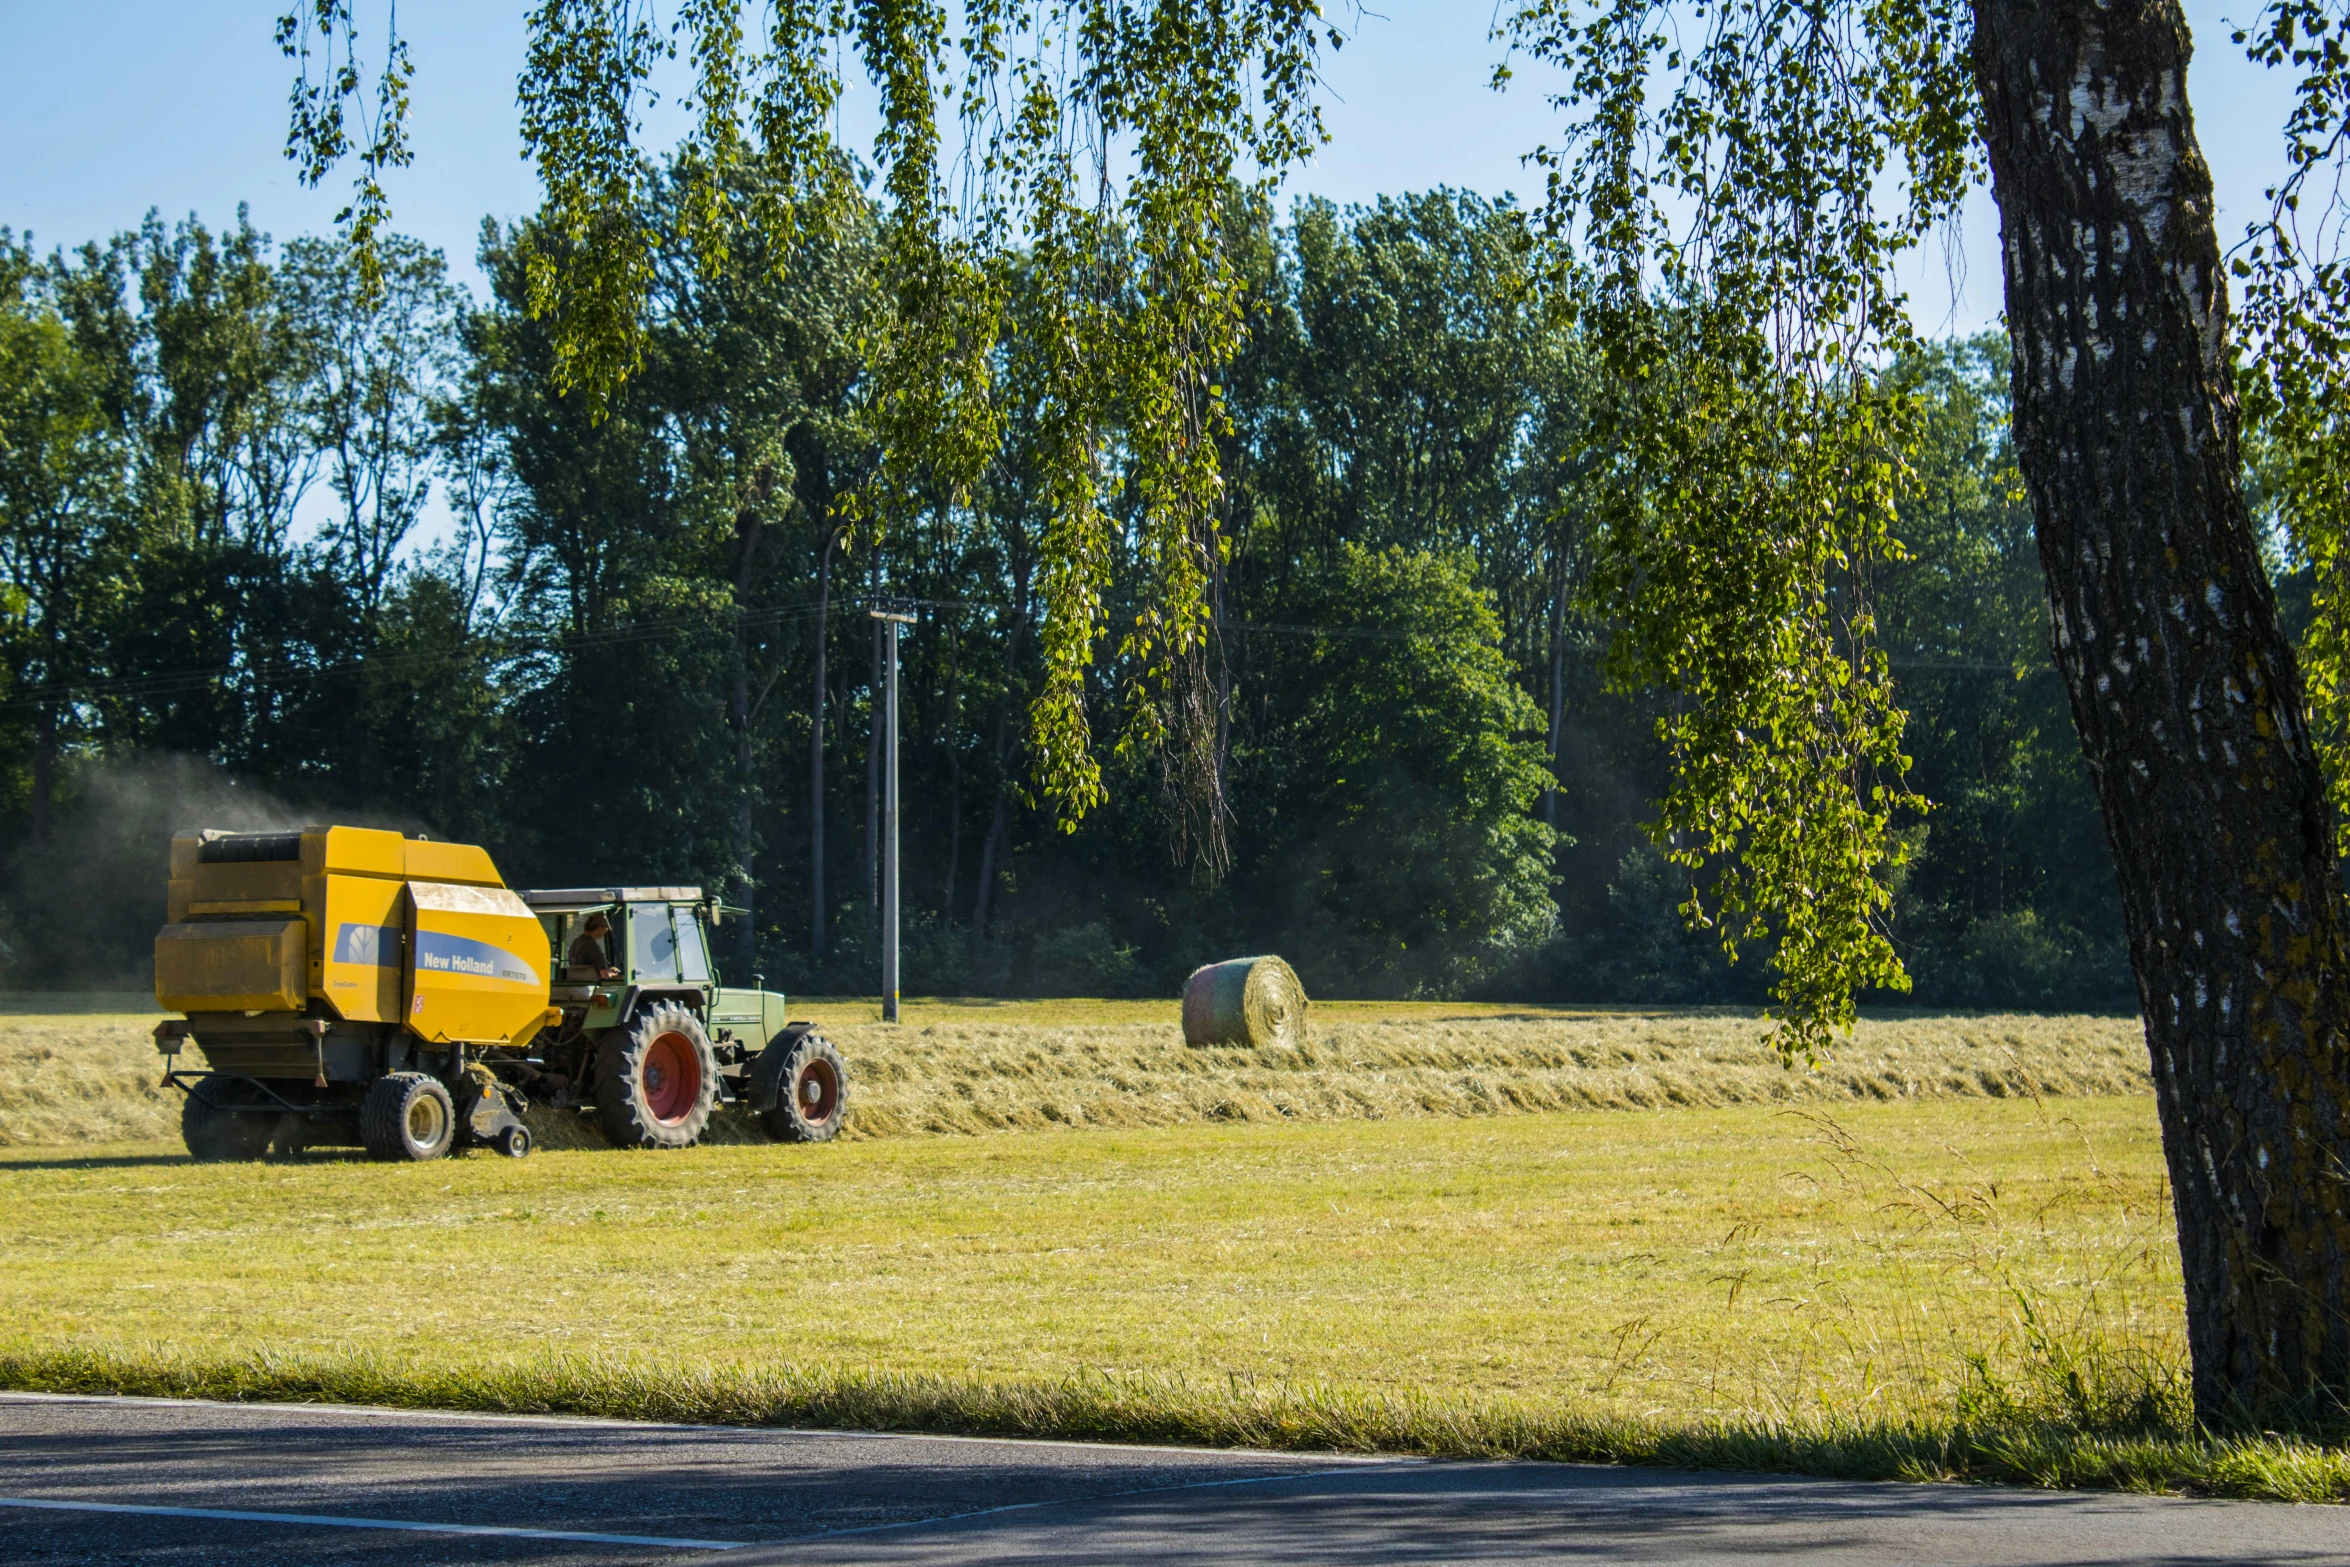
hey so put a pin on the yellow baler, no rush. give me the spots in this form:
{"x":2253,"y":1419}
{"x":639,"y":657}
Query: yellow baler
{"x":343,"y":984}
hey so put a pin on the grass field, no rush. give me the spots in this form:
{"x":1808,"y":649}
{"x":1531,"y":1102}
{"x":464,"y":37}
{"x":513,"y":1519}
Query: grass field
{"x":88,"y":1075}
{"x":1978,"y":1287}
{"x":1441,"y":1229}
{"x":1742,"y":1261}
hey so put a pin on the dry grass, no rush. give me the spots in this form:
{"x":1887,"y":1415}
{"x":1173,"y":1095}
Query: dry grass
{"x":1744,"y":1262}
{"x":1972,"y":1287}
{"x":1974,"y":1281}
{"x":81,"y":1077}
{"x":1384,"y":1062}
{"x":75,"y":1076}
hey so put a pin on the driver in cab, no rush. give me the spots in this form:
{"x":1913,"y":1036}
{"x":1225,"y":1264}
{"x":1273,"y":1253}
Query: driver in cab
{"x":591,"y":957}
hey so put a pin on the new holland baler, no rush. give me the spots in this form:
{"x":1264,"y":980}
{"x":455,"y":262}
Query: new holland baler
{"x":344,"y":986}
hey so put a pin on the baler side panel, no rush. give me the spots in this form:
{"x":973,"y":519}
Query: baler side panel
{"x":264,"y":882}
{"x":355,"y":851}
{"x":365,"y":935}
{"x":461,"y":863}
{"x":477,"y":965}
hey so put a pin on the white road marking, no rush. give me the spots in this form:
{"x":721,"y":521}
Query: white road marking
{"x":330,"y":1521}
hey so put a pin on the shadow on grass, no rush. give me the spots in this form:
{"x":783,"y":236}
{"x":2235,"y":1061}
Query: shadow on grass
{"x":120,"y":1161}
{"x":142,"y":1161}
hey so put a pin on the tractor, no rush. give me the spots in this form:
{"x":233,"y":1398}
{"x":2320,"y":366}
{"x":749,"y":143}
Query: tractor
{"x":658,"y":1045}
{"x":351,"y":986}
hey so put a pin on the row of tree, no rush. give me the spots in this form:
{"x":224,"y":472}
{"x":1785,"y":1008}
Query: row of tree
{"x":346,"y":551}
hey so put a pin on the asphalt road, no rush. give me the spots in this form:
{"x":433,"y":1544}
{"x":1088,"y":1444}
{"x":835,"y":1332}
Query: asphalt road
{"x":153,"y":1482}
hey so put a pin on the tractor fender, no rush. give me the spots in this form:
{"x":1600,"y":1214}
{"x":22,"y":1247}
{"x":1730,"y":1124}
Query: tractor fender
{"x":767,"y":1070}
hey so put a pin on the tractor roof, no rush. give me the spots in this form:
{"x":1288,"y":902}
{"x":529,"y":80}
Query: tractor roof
{"x":570,"y":900}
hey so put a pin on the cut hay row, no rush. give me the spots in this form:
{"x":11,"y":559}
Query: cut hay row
{"x":85,"y":1079}
{"x":82,"y":1079}
{"x":982,"y":1077}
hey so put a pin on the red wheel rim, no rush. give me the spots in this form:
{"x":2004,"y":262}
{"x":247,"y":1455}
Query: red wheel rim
{"x":818,"y":1091}
{"x":673,"y":1078}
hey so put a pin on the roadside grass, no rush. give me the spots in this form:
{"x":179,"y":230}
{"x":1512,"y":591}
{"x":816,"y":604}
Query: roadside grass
{"x":1975,"y":1288}
{"x":1246,"y":1414}
{"x":76,"y":1075}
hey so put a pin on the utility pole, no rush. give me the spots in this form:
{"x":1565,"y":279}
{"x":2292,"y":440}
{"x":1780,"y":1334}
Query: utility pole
{"x":890,"y":618}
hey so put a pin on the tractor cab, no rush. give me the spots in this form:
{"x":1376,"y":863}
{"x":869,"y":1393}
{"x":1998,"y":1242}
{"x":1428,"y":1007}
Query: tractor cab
{"x":656,"y":943}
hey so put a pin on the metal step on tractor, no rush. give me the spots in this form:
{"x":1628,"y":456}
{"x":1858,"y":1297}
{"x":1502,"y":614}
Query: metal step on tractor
{"x":347,"y":986}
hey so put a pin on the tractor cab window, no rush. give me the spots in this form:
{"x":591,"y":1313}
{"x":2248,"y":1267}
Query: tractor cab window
{"x":652,"y":945}
{"x":587,"y":951}
{"x":693,"y":958}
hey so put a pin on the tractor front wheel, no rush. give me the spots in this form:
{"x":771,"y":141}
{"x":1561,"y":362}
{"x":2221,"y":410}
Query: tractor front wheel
{"x":656,"y":1081}
{"x":407,"y":1115}
{"x":214,"y":1134}
{"x":811,"y":1088}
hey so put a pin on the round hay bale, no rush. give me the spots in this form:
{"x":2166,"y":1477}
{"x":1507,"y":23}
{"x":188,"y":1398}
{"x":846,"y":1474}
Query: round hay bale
{"x":1245,"y":1001}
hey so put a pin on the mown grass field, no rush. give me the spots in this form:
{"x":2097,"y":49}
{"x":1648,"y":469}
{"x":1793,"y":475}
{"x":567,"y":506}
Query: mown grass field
{"x":89,"y":1075}
{"x":1744,"y":1261}
{"x":1947,"y":1254}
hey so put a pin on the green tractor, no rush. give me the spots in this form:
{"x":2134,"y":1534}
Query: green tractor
{"x":652,"y":1042}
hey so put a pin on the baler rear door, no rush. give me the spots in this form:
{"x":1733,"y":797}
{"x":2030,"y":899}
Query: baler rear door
{"x":231,"y":966}
{"x":477,"y":965}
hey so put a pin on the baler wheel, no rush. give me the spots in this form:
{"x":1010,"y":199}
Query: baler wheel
{"x":213,"y":1134}
{"x":657,"y":1082}
{"x":407,"y":1115}
{"x":811,"y":1089}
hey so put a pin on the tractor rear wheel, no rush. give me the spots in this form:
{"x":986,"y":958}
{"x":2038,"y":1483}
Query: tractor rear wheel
{"x":407,"y":1115}
{"x":811,"y":1088}
{"x":656,"y":1081}
{"x":214,"y":1134}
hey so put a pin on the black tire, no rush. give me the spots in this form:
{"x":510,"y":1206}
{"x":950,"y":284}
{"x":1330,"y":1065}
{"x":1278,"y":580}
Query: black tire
{"x":407,"y":1115}
{"x":811,"y":1088}
{"x":656,"y":1080}
{"x":213,"y":1134}
{"x":514,"y":1142}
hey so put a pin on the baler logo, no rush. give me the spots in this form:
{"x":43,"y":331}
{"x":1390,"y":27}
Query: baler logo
{"x":438,"y":952}
{"x":375,"y":946}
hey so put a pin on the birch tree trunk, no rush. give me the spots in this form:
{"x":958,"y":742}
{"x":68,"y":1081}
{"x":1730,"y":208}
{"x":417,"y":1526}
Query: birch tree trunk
{"x":2183,"y":688}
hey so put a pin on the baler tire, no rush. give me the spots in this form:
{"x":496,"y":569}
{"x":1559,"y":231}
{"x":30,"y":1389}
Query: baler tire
{"x":215,"y":1135}
{"x":811,"y":1089}
{"x":656,"y":1080}
{"x":389,"y":1123}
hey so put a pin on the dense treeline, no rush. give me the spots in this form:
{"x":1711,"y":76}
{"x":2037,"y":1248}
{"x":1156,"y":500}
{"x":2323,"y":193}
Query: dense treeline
{"x":275,"y":546}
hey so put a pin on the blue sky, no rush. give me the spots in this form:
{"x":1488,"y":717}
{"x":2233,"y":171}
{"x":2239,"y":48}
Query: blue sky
{"x":109,"y":107}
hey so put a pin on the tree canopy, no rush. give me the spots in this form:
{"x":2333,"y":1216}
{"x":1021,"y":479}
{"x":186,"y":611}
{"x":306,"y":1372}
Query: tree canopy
{"x":1060,"y":226}
{"x":600,"y":658}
